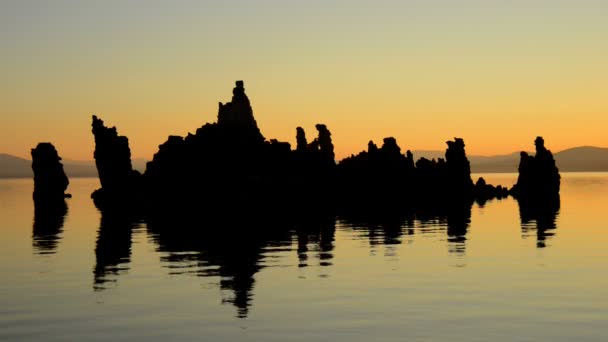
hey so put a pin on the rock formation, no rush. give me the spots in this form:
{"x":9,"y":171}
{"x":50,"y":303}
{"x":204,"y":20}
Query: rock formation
{"x":113,"y":160}
{"x":50,"y":181}
{"x":301,"y":142}
{"x":485,"y":192}
{"x":239,"y":114}
{"x":384,"y":178}
{"x":537,"y":190}
{"x":458,"y":170}
{"x":229,"y":164}
{"x":539,"y":177}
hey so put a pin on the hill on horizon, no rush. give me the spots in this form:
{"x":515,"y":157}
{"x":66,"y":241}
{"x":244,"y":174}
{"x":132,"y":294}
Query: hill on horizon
{"x":576,"y":159}
{"x":17,"y":167}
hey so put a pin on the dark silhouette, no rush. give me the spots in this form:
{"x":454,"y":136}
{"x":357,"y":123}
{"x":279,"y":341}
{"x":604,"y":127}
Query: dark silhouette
{"x":119,"y":182}
{"x":50,"y":208}
{"x":485,"y":192}
{"x":383,"y":179}
{"x":540,"y":217}
{"x":49,"y":217}
{"x":539,"y":178}
{"x":239,"y":114}
{"x":223,"y":166}
{"x":236,"y":248}
{"x":113,"y":248}
{"x":50,"y":181}
{"x":229,"y":167}
{"x":537,"y":191}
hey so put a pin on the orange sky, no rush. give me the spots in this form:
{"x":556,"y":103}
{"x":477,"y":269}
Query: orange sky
{"x":495,"y":73}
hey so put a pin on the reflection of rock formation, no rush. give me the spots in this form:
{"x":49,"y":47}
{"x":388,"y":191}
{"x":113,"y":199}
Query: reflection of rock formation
{"x":113,"y":160}
{"x":539,"y":216}
{"x":316,"y":237}
{"x":458,"y":221}
{"x":49,"y":217}
{"x":234,"y":249}
{"x":113,"y":248}
{"x":388,"y":228}
{"x":50,"y":181}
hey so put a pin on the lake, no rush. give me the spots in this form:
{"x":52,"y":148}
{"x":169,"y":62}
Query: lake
{"x":84,"y":277}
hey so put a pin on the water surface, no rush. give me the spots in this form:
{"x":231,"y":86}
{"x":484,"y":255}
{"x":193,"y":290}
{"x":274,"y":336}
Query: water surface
{"x":75,"y":275}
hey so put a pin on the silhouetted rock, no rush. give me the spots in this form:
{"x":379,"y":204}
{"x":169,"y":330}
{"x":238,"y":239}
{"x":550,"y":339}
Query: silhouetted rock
{"x":537,"y":191}
{"x":119,"y":182}
{"x":239,"y":114}
{"x":539,"y":177}
{"x":326,"y":148}
{"x":301,"y":140}
{"x":385,"y":180}
{"x":229,"y":164}
{"x":50,"y":181}
{"x":485,"y":192}
{"x":458,"y":171}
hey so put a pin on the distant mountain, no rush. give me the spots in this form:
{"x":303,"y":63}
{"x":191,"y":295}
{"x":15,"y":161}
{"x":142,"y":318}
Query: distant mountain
{"x":16,"y":167}
{"x":585,"y":158}
{"x":577,"y":159}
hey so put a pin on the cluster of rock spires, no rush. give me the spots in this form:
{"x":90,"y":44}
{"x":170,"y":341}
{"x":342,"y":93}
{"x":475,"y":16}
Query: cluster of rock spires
{"x":229,"y":164}
{"x":223,"y":165}
{"x":229,"y":168}
{"x":384,"y":177}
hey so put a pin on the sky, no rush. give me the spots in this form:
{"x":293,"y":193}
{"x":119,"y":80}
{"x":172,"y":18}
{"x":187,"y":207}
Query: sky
{"x":495,"y":73}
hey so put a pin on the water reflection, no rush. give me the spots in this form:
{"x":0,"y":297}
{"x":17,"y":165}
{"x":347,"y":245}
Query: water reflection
{"x":316,"y":237}
{"x":540,"y":218}
{"x":113,"y":248}
{"x":49,"y":217}
{"x":231,"y":250}
{"x":458,"y":221}
{"x":234,"y":248}
{"x":388,"y":230}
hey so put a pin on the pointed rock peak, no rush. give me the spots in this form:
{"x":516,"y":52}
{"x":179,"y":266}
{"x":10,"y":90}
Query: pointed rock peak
{"x":238,"y":113}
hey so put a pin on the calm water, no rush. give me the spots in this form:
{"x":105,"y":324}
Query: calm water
{"x":84,"y":277}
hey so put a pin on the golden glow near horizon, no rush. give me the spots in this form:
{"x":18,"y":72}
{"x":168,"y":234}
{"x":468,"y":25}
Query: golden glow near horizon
{"x":496,"y":73}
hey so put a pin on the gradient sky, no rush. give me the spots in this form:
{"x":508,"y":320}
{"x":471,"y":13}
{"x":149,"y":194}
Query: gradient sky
{"x":496,"y":73}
